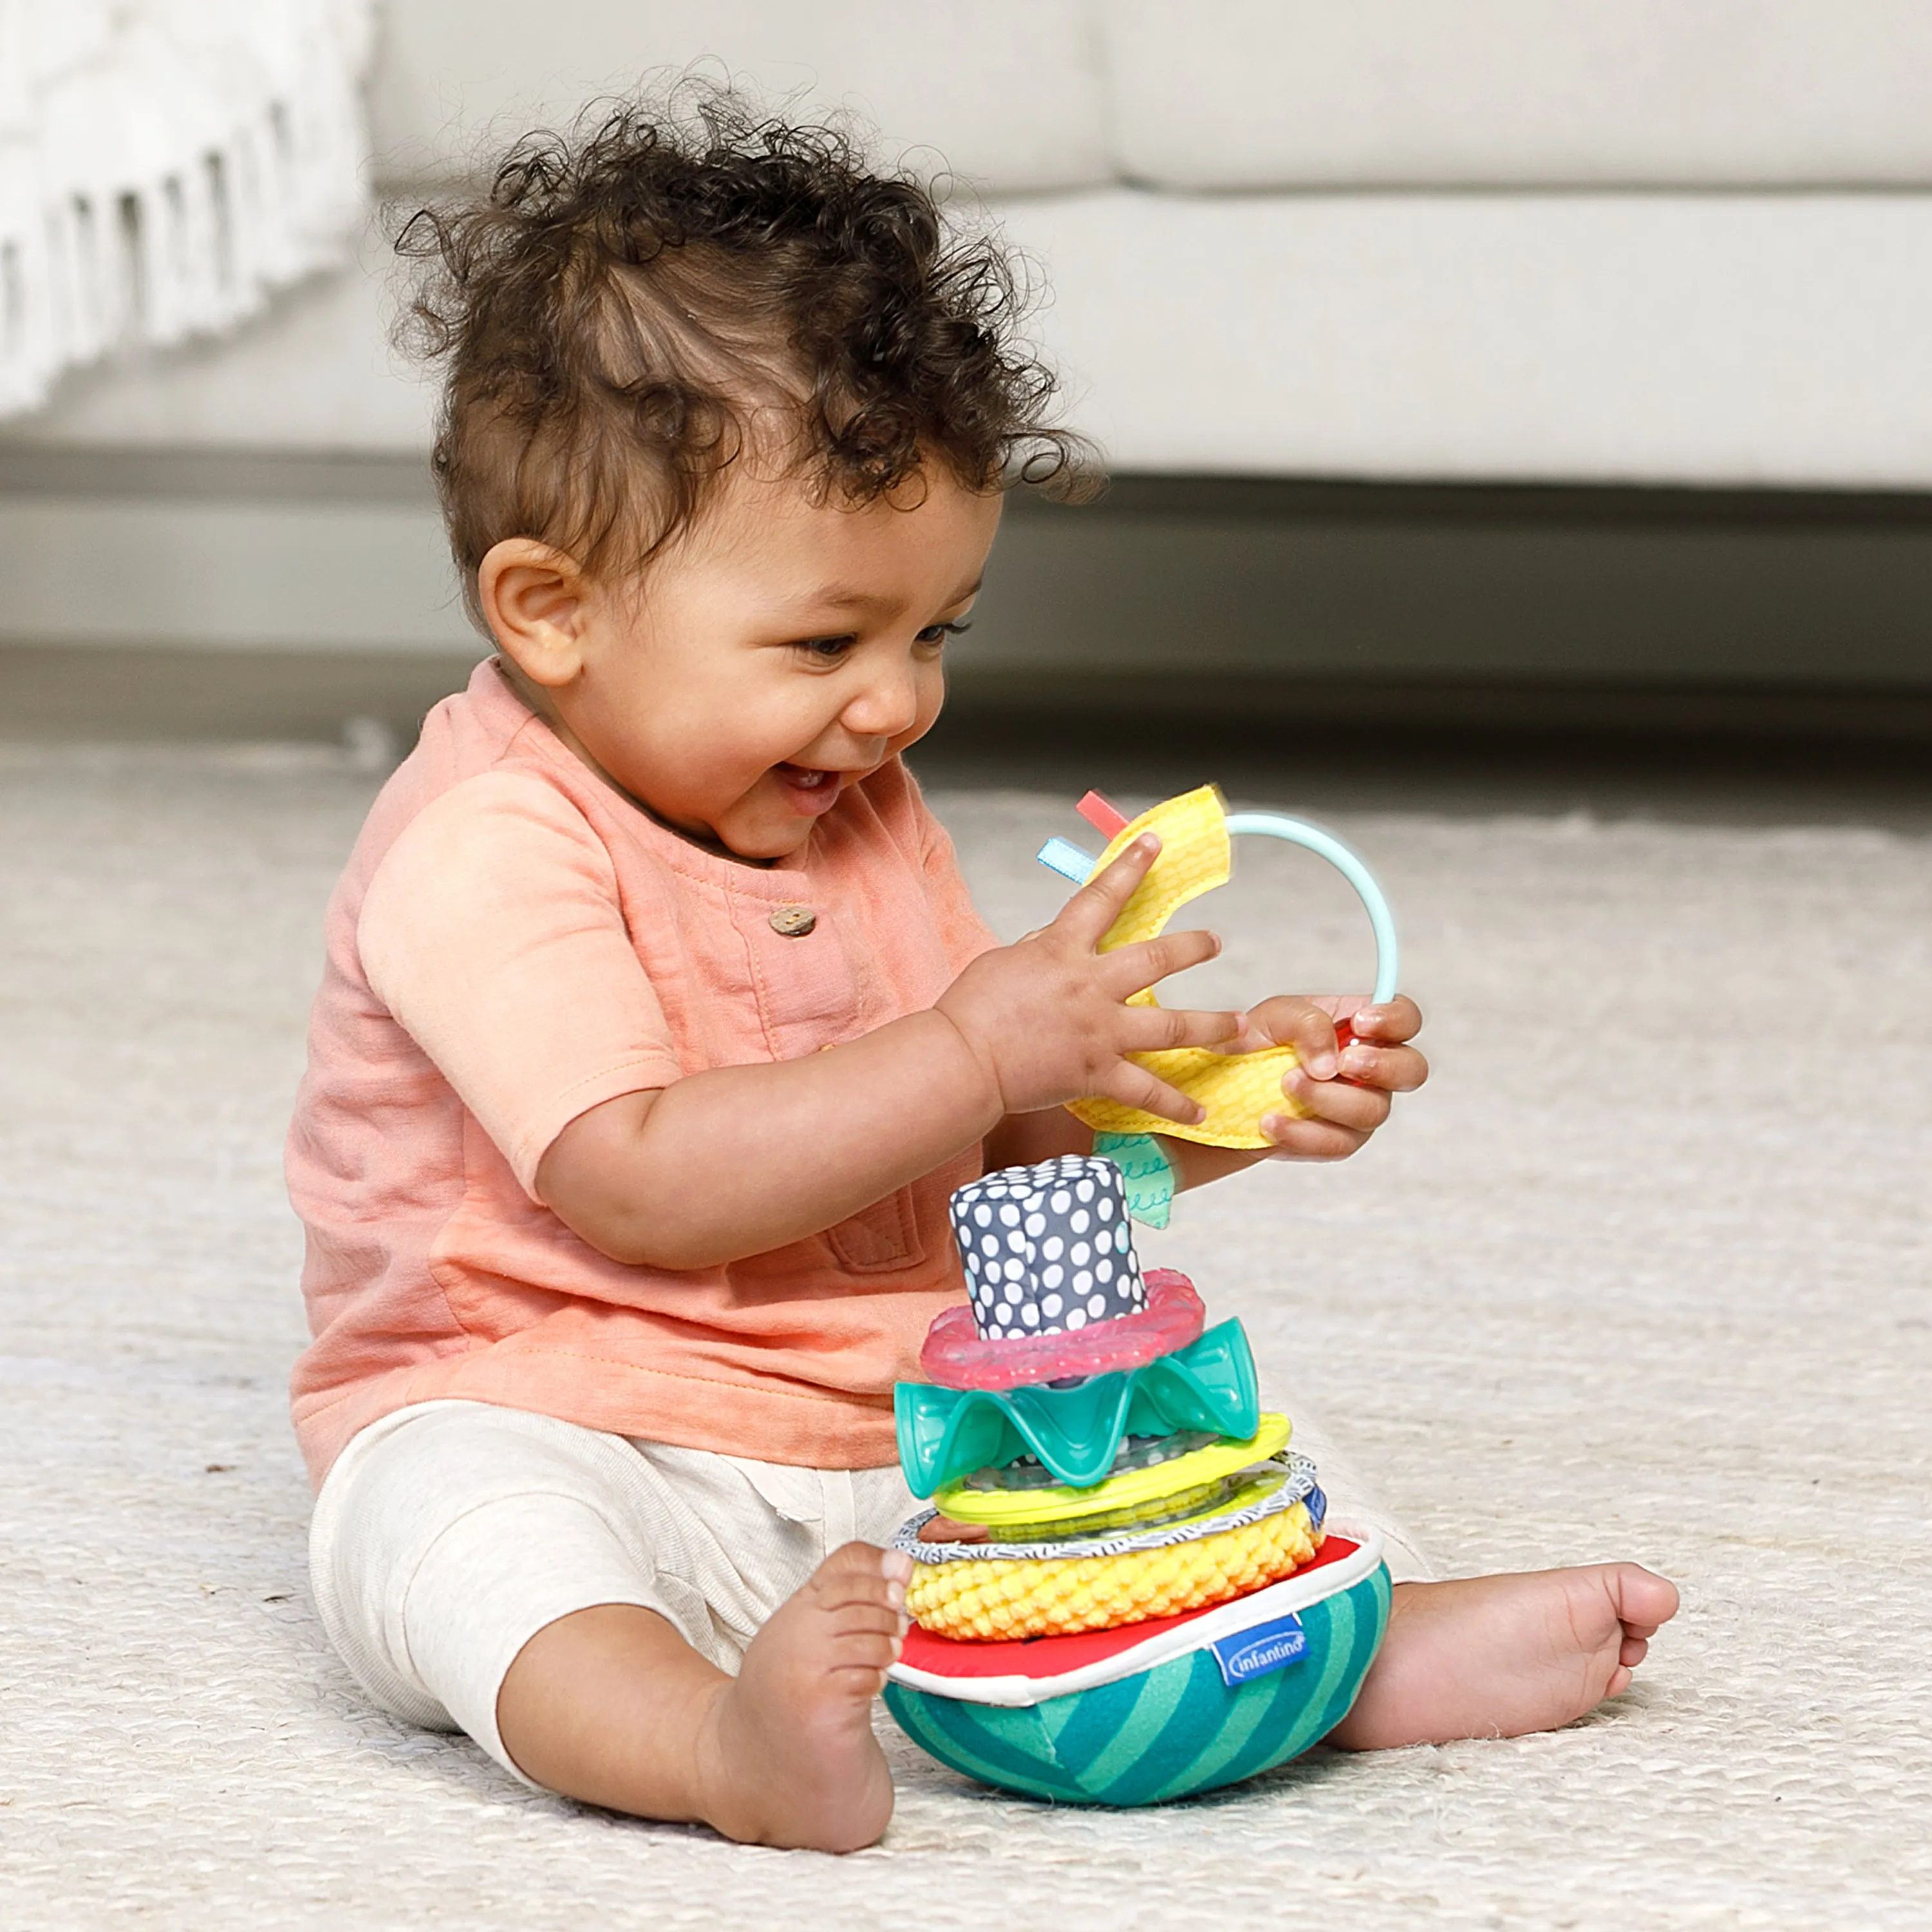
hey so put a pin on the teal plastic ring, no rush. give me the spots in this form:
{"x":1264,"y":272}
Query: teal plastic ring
{"x":1325,"y":845}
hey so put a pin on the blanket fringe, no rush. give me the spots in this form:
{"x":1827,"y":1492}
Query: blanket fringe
{"x":164,"y":165}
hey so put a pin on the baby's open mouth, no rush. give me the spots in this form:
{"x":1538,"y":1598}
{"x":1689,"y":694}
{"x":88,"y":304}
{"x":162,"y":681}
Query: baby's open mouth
{"x":812,"y":790}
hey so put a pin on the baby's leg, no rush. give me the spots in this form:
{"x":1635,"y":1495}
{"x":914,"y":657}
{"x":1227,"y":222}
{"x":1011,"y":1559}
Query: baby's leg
{"x":612,"y":1705}
{"x":1493,"y":1657}
{"x":1486,"y":1656}
{"x":575,"y":1608}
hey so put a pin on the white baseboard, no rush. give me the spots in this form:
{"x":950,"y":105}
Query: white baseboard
{"x":205,"y":551}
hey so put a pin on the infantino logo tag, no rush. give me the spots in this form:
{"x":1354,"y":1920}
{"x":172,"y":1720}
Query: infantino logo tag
{"x":1267,"y":1647}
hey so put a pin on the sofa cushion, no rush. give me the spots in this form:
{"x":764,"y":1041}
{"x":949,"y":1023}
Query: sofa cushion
{"x":1259,"y":93}
{"x":1735,"y":339}
{"x":1714,"y":339}
{"x":1007,"y":91}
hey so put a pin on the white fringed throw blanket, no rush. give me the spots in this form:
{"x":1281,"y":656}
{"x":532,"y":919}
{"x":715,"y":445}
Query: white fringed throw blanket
{"x":163,"y":165}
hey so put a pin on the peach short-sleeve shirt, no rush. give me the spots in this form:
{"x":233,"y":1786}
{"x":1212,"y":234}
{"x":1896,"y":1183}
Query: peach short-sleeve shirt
{"x":513,"y":943}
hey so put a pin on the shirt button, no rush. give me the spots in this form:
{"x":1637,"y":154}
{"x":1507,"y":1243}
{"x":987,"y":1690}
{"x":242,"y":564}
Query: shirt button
{"x":794,"y":921}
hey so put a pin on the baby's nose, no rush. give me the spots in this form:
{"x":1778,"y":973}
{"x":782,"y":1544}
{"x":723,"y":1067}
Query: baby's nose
{"x":882,"y":710}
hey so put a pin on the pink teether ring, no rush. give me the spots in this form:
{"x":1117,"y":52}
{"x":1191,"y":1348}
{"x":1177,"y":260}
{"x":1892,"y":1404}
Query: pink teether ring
{"x":954,"y":1357}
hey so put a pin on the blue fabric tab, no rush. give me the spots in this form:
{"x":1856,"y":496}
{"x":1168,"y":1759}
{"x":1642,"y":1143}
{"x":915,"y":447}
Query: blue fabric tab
{"x":1254,"y":1652}
{"x":1063,"y":857}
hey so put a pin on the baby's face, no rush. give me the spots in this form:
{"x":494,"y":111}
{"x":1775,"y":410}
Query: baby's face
{"x":780,"y":651}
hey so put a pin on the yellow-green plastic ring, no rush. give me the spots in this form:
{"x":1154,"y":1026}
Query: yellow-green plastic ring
{"x":1060,"y":1503}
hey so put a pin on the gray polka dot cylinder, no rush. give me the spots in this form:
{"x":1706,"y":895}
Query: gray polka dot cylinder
{"x":1047,"y":1248}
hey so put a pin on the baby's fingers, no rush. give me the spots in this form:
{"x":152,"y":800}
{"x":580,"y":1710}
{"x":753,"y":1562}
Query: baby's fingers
{"x":1310,"y":1139}
{"x":1393,"y":1070}
{"x":1094,"y":907}
{"x":1133,"y":1086}
{"x":1288,"y":1021}
{"x":1388,"y":1024}
{"x":1133,"y":969}
{"x":1342,"y":1103}
{"x":1153,"y":1029}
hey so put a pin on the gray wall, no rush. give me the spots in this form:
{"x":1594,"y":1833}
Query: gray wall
{"x":230,"y":592}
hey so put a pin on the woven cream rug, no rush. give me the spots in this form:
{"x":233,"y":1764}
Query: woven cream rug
{"x":1644,"y":1273}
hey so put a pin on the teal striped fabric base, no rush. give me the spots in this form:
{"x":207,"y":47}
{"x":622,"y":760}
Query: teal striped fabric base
{"x":1167,"y":1732}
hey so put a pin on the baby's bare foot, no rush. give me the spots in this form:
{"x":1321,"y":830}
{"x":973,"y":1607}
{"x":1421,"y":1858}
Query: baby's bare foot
{"x":788,"y":1754}
{"x":1494,"y":1656}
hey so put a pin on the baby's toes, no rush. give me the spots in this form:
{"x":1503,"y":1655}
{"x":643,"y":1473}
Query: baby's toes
{"x":868,"y":1654}
{"x":865,"y":1626}
{"x":1633,"y":1651}
{"x":858,"y":1574}
{"x":1644,"y":1601}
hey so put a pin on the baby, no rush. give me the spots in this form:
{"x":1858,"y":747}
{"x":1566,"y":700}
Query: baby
{"x":657,"y":1025}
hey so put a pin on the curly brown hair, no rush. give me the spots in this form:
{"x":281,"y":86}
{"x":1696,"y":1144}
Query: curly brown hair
{"x":624,"y":299}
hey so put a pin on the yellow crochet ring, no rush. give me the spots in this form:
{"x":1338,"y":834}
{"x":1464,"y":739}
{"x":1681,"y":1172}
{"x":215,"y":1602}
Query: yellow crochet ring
{"x":1059,"y":1503}
{"x":1236,"y":1091}
{"x":996,"y":1598}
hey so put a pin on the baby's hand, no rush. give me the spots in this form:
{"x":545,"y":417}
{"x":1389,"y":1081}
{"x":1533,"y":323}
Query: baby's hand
{"x":1340,"y":1093}
{"x":1047,"y":1017}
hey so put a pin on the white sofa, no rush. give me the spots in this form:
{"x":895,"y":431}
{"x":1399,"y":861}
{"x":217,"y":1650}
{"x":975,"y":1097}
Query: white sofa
{"x":1650,"y":242}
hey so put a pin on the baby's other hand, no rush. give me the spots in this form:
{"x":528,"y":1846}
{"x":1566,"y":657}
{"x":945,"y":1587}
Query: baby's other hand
{"x":1343,"y":1089}
{"x":1048,"y":1017}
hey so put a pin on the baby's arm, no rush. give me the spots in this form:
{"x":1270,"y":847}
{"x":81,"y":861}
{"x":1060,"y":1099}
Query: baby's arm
{"x":739,"y":1160}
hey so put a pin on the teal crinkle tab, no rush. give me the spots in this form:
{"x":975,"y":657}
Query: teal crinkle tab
{"x":1076,"y":1432}
{"x":1146,"y":1171}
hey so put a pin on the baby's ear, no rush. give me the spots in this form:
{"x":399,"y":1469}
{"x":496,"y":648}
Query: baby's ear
{"x":532,"y":597}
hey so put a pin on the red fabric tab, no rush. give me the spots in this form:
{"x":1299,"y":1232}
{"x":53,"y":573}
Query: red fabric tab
{"x":1105,"y":818}
{"x":1054,"y":1656}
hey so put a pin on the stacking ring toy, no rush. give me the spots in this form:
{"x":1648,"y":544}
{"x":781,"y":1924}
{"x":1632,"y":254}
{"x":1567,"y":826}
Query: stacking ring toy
{"x":1236,"y":1090}
{"x":1126,"y":1589}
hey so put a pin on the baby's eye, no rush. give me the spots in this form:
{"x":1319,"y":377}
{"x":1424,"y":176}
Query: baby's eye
{"x":937,"y":634}
{"x":825,"y":650}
